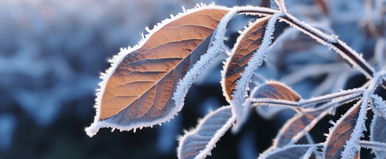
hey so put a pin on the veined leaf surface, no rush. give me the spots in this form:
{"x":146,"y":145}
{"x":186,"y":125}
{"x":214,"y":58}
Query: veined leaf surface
{"x":247,"y":44}
{"x":294,"y":128}
{"x":341,"y":133}
{"x":136,"y":91}
{"x":276,"y":90}
{"x":287,"y":152}
{"x":199,"y":142}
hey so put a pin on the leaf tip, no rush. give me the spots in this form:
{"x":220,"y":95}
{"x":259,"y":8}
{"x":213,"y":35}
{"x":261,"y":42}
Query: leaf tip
{"x":92,"y":129}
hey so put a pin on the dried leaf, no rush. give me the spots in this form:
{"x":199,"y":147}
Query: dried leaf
{"x":273,"y":90}
{"x":247,"y":44}
{"x":287,"y":152}
{"x":341,"y":133}
{"x":378,"y":133}
{"x":374,"y":145}
{"x":240,"y":106}
{"x":276,"y":90}
{"x":199,"y":142}
{"x":136,"y":91}
{"x":296,"y":127}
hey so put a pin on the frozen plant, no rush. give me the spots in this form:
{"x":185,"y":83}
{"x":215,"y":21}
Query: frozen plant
{"x":146,"y":85}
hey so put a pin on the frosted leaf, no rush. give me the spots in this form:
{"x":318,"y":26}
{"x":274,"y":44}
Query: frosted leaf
{"x":341,"y":132}
{"x":352,"y":145}
{"x":200,"y":141}
{"x":378,"y":133}
{"x":239,"y":108}
{"x":295,"y":128}
{"x":287,"y":152}
{"x":247,"y":43}
{"x":137,"y":90}
{"x":216,"y":48}
{"x":273,"y":90}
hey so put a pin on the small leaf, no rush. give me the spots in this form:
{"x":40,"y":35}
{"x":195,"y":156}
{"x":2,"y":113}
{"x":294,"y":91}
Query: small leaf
{"x":199,"y":142}
{"x":287,"y":152}
{"x":341,"y":132}
{"x":273,"y":90}
{"x":276,"y":90}
{"x":136,"y":91}
{"x":378,"y":133}
{"x":246,"y":45}
{"x":297,"y":127}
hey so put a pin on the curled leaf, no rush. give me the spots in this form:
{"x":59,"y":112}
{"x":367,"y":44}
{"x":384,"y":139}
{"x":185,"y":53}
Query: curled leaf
{"x":341,"y":132}
{"x":276,"y":90}
{"x":239,"y":107}
{"x":199,"y":142}
{"x":136,"y":90}
{"x":273,"y":90}
{"x":247,"y":43}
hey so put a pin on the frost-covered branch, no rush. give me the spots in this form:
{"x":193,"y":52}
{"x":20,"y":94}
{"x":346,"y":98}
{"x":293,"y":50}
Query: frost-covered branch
{"x":332,"y":41}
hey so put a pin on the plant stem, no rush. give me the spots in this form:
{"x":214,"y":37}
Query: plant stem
{"x":350,"y":55}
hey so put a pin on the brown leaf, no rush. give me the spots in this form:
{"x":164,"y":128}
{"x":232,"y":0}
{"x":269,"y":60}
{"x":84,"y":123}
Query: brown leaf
{"x":248,"y":42}
{"x":341,"y":132}
{"x":296,"y":125}
{"x":141,"y":86}
{"x":276,"y":90}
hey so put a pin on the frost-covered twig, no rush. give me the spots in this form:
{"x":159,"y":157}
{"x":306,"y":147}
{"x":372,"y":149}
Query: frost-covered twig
{"x":349,"y":54}
{"x":307,"y":103}
{"x":272,"y":102}
{"x":379,"y":105}
{"x":378,"y":146}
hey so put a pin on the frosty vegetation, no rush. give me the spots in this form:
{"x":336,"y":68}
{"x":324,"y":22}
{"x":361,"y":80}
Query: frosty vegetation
{"x":147,"y":84}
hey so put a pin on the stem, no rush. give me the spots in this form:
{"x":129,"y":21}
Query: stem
{"x":310,"y":102}
{"x":379,"y":146}
{"x":334,"y":103}
{"x":350,"y":55}
{"x":272,"y":102}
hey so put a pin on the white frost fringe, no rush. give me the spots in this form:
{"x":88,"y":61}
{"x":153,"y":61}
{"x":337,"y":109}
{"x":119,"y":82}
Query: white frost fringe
{"x":117,"y":59}
{"x":379,"y":105}
{"x":240,"y":108}
{"x":215,"y":49}
{"x":212,"y":142}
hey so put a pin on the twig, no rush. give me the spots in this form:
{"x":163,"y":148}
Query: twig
{"x":350,"y":55}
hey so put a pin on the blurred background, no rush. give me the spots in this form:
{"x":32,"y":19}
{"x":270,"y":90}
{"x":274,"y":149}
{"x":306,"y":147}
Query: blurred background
{"x":52,"y":52}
